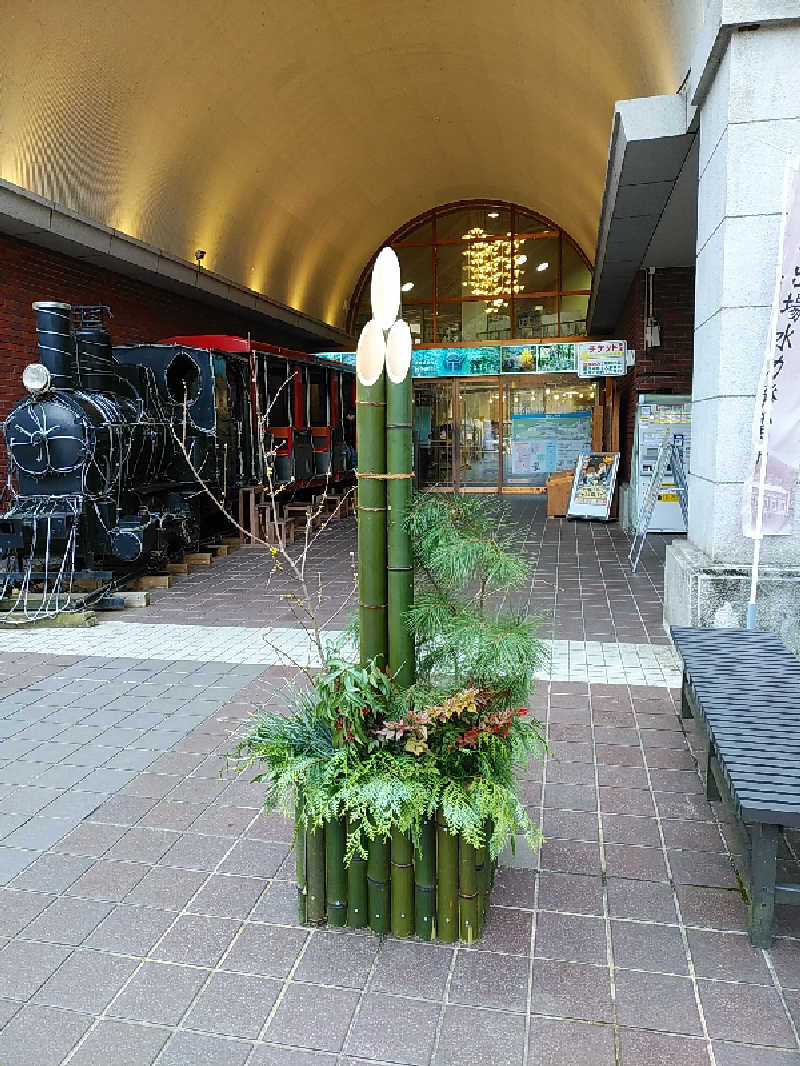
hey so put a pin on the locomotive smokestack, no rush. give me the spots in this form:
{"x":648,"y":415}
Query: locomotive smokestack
{"x":96,"y":364}
{"x":56,"y":347}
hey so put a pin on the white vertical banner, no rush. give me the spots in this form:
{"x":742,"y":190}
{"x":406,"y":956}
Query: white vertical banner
{"x":768,"y":503}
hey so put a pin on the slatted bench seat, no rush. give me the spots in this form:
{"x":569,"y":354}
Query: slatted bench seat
{"x":743,"y":686}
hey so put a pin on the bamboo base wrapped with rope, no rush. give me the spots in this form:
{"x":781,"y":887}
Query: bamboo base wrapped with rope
{"x":438,"y":890}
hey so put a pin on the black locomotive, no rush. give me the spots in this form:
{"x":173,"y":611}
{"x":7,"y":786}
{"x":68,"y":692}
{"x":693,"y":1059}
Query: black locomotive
{"x":119,"y":457}
{"x":110,"y":446}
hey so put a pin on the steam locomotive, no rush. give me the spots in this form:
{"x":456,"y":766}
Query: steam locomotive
{"x":122,"y":455}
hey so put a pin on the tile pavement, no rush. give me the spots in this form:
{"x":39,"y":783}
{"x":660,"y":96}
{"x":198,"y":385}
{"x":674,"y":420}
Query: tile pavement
{"x":601,"y":662}
{"x":161,"y":929}
{"x":581,"y":585}
{"x":158,"y":926}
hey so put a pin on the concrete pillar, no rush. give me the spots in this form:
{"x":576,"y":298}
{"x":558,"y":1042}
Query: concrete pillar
{"x":746,"y":87}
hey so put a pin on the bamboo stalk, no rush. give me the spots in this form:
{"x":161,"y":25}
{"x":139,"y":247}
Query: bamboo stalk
{"x":378,"y":885}
{"x":370,"y":427}
{"x":447,"y":884}
{"x":315,"y":875}
{"x":357,"y":910}
{"x":300,"y":859}
{"x":482,"y":878}
{"x":398,"y":493}
{"x":335,"y":873}
{"x":425,"y":882}
{"x":402,"y":879}
{"x":467,"y":892}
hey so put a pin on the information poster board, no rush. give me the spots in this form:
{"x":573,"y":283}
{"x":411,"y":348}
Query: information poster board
{"x":593,"y":485}
{"x":599,"y":359}
{"x":544,"y":443}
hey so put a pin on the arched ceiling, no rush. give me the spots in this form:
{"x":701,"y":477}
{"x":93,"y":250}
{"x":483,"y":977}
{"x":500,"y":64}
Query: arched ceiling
{"x":289,"y":137}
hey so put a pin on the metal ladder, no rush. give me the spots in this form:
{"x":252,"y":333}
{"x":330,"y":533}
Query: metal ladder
{"x":668,"y":456}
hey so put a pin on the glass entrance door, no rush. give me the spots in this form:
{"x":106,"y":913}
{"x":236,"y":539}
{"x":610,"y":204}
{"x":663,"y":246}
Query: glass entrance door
{"x":433,"y":434}
{"x":478,"y":436}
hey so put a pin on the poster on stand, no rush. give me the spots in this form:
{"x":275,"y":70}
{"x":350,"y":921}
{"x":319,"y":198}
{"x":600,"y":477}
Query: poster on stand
{"x":593,"y":485}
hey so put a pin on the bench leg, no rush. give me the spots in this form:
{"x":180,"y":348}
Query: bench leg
{"x":763,"y":846}
{"x":712,"y":792}
{"x":686,"y":711}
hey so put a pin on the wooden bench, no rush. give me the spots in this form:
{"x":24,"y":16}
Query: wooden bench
{"x":743,"y":686}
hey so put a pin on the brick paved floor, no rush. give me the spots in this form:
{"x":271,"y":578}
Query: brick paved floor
{"x":159,"y":928}
{"x":581,"y":583}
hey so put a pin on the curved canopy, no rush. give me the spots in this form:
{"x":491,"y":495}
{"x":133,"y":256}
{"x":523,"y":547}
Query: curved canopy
{"x":288,"y":138}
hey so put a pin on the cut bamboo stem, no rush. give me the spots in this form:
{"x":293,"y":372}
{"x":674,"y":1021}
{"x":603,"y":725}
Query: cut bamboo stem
{"x":467,"y":892}
{"x":300,"y":860}
{"x":447,"y":884}
{"x":425,"y":883}
{"x":372,"y":596}
{"x":402,"y":872}
{"x":482,"y":879}
{"x":315,"y":875}
{"x":378,"y":885}
{"x":398,"y":498}
{"x":357,"y":908}
{"x":335,"y":873}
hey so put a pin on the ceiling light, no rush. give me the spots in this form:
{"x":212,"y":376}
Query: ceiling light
{"x":493,"y":214}
{"x":543,"y":266}
{"x":539,"y":307}
{"x":520,"y":259}
{"x":407,"y":286}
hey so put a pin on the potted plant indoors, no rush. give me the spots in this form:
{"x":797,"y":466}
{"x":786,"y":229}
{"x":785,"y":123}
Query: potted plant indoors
{"x":400,"y":769}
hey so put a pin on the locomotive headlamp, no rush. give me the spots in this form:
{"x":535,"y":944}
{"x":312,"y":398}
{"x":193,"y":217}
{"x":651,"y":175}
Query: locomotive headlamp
{"x":36,"y":378}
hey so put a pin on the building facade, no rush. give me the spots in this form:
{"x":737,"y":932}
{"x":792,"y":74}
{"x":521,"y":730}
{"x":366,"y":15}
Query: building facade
{"x":624,"y":186}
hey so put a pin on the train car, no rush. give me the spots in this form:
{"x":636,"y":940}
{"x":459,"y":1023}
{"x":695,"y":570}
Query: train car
{"x":120,"y":456}
{"x":303,"y":411}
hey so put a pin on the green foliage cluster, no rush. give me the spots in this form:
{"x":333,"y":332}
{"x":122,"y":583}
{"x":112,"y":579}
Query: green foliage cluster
{"x":465,"y":564}
{"x":358,"y":747}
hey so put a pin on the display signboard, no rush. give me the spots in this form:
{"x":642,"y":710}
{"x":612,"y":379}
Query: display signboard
{"x":600,"y":359}
{"x":593,"y":485}
{"x":544,"y":443}
{"x":455,"y":362}
{"x":591,"y":359}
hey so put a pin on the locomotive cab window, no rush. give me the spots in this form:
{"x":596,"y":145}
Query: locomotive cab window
{"x":183,"y":379}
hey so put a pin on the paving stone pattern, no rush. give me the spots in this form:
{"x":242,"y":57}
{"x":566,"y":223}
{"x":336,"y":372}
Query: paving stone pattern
{"x":162,"y":929}
{"x":581,"y":583}
{"x":147,"y":914}
{"x":86,"y":729}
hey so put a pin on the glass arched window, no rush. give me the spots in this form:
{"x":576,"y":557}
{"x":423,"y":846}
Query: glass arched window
{"x":485,"y":271}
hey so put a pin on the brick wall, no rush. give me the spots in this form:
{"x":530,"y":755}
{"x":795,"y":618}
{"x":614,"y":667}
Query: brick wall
{"x":666,"y":369}
{"x":142,"y":313}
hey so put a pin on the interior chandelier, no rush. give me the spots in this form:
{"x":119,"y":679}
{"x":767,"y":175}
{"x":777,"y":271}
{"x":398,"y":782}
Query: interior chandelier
{"x":488,"y":267}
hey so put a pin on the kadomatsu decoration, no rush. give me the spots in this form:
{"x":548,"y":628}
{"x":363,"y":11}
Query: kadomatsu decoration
{"x":400,"y":770}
